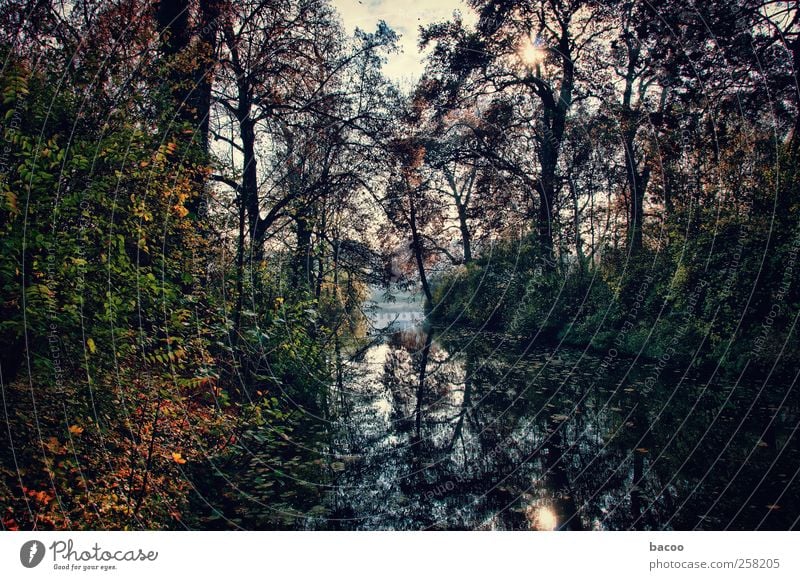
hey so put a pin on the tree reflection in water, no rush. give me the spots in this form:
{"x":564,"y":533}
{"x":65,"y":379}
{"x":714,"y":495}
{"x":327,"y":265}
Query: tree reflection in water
{"x":467,"y":431}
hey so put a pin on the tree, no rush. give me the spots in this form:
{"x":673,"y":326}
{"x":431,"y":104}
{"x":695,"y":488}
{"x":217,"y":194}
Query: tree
{"x":530,"y":51}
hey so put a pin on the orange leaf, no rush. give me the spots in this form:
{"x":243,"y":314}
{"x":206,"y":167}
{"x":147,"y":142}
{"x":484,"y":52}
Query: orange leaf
{"x":176,"y":457}
{"x":75,"y":430}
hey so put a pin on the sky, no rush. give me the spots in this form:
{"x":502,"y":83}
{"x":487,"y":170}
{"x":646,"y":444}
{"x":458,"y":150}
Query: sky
{"x":404,"y":17}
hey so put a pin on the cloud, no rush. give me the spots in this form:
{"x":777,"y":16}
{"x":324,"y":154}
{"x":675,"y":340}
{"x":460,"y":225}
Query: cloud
{"x":405,"y":18}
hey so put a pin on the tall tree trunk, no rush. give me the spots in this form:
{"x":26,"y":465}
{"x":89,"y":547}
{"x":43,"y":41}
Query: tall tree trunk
{"x":301,"y":268}
{"x":210,"y":11}
{"x":461,"y":198}
{"x":239,"y":305}
{"x":466,"y":238}
{"x":249,"y":170}
{"x":636,"y":172}
{"x":321,"y":234}
{"x":546,"y":186}
{"x":172,"y":20}
{"x":190,"y":84}
{"x":417,"y":248}
{"x":554,"y":117}
{"x":576,"y":218}
{"x":636,"y":188}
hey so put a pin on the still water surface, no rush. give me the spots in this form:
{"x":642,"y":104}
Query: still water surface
{"x":468,"y":430}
